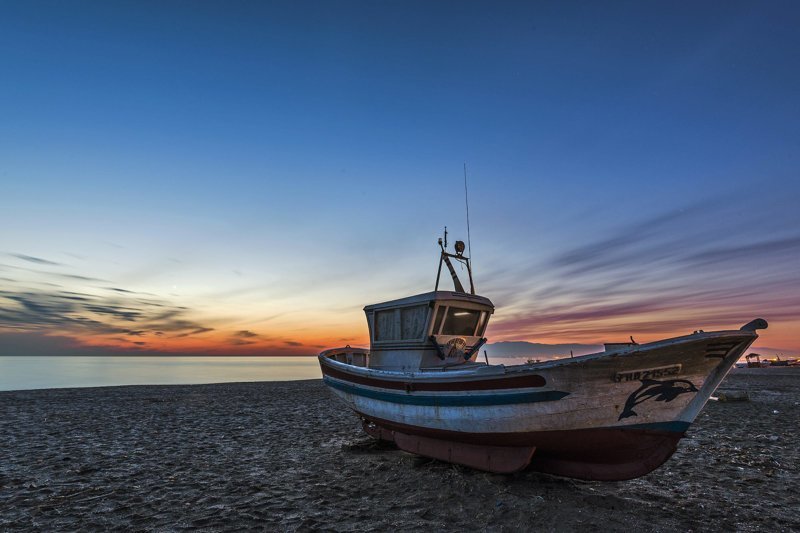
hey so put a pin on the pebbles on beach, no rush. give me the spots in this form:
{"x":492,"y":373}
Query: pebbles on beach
{"x":286,"y":456}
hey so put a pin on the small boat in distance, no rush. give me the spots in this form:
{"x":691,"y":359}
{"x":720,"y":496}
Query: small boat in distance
{"x":781,"y":362}
{"x":754,"y":361}
{"x":612,"y":415}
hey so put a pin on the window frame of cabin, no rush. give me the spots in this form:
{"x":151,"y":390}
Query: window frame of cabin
{"x":438,"y":320}
{"x":458,"y":308}
{"x":443,"y":308}
{"x":398,"y":324}
{"x":425,"y":319}
{"x":395,"y":324}
{"x":480,"y":329}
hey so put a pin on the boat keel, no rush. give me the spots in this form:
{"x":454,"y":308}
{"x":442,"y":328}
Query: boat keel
{"x":496,"y":459}
{"x":600,"y":454}
{"x":604,"y":454}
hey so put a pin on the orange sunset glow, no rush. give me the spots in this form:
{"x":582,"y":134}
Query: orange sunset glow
{"x":249,"y":191}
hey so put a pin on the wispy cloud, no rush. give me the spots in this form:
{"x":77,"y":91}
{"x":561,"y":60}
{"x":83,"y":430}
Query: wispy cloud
{"x":183,"y":324}
{"x":705,"y":265}
{"x":90,"y":314}
{"x":77,"y":277}
{"x":117,"y":289}
{"x":37,"y":260}
{"x":83,"y":312}
{"x":240,"y":342}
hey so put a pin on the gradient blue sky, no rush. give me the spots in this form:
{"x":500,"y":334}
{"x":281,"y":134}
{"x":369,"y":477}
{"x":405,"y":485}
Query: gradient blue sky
{"x":243,"y":177}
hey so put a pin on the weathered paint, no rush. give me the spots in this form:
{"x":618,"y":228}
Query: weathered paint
{"x":457,"y":382}
{"x":437,"y":400}
{"x":603,"y":454}
{"x":583,"y":394}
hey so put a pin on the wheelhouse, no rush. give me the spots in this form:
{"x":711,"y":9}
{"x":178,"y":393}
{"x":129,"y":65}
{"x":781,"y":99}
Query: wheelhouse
{"x":435,"y":329}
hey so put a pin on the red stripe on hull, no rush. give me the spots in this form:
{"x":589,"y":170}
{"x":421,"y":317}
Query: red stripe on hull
{"x":511,"y":382}
{"x":603,"y":454}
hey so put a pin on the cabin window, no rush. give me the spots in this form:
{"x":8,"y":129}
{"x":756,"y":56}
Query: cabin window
{"x":461,"y":322}
{"x":412,"y":322}
{"x":439,"y":317}
{"x":481,"y":325}
{"x":386,"y":326}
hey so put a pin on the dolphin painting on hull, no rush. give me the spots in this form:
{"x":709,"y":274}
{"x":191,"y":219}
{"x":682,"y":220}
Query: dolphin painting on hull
{"x":661,"y":391}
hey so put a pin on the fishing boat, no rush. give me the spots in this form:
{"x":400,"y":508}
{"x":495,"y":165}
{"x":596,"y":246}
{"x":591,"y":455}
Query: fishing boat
{"x":754,"y":360}
{"x":612,"y":415}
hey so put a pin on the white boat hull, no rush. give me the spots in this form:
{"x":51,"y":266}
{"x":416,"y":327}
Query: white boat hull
{"x":600,"y":416}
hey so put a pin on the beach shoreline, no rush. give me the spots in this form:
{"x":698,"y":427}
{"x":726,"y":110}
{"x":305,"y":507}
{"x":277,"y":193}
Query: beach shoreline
{"x":284,"y":455}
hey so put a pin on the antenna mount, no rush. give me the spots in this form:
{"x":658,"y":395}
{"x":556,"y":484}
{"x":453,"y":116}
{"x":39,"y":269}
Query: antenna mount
{"x":445,"y":256}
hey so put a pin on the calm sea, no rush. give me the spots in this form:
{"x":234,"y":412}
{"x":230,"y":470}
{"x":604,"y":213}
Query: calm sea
{"x":20,"y":372}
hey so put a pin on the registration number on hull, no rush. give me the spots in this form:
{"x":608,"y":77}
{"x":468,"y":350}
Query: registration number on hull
{"x":647,"y":373}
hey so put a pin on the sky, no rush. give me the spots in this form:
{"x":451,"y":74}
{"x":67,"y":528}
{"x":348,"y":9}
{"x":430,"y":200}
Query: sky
{"x":243,"y":177}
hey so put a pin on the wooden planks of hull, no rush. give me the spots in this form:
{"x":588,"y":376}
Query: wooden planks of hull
{"x":606,"y":416}
{"x":600,"y":454}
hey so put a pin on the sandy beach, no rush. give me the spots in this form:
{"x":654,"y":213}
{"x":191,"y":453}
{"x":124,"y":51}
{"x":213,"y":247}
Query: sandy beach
{"x":284,"y":456}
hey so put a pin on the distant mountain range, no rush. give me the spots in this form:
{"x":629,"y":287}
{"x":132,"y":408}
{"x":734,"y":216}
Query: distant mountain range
{"x":523,"y":350}
{"x":536,"y":350}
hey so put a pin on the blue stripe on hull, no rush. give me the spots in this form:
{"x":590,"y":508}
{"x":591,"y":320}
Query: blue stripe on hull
{"x":448,"y":400}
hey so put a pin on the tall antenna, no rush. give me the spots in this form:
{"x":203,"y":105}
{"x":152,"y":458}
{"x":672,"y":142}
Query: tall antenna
{"x":466,"y":201}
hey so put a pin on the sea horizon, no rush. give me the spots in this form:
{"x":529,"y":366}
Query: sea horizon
{"x":33,"y":372}
{"x":161,"y":355}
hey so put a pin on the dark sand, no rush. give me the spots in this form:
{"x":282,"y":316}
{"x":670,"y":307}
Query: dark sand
{"x":284,"y":456}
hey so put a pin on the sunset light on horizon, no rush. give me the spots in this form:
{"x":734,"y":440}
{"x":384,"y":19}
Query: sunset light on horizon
{"x":213,"y":179}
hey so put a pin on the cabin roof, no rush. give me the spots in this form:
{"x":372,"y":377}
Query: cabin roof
{"x":433,"y":297}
